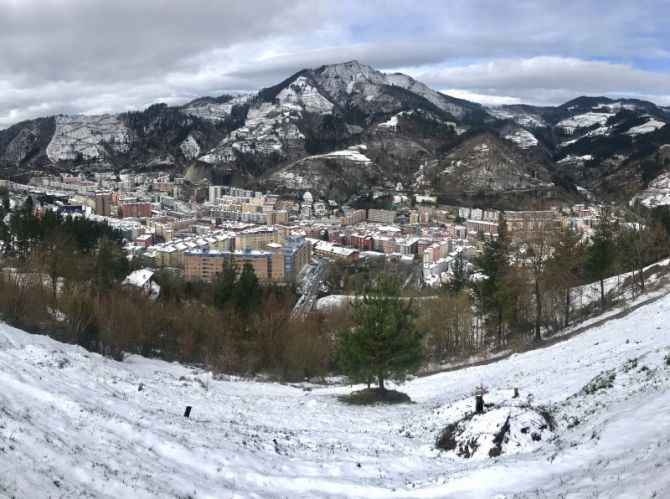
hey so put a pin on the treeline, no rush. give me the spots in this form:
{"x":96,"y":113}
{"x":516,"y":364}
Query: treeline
{"x":527,"y":285}
{"x":63,"y":277}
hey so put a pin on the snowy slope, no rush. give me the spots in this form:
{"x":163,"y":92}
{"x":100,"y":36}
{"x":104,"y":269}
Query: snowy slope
{"x":75,"y":424}
{"x":522,"y":138}
{"x":86,"y":137}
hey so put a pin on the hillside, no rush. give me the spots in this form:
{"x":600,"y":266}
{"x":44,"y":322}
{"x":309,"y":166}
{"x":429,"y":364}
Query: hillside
{"x":614,"y":148}
{"x":286,"y":136}
{"x":73,"y":423}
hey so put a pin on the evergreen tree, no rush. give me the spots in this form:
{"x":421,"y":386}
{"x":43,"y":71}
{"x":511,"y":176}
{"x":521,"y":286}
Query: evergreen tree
{"x":248,"y":289}
{"x":225,"y":285}
{"x":602,"y":251}
{"x":384,"y":343}
{"x":325,"y":236}
{"x":461,"y":275}
{"x":109,"y":265}
{"x":494,"y":262}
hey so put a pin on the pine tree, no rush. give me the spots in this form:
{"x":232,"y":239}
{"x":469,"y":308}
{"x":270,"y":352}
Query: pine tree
{"x":461,"y":275}
{"x":248,"y":289}
{"x":384,"y":343}
{"x":226,"y":284}
{"x":602,"y":251}
{"x":494,"y":262}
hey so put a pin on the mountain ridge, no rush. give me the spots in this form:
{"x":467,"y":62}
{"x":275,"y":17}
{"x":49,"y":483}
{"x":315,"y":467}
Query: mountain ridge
{"x":253,"y":138}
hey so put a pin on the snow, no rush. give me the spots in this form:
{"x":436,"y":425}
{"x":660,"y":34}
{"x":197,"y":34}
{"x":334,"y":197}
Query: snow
{"x":572,"y":158}
{"x":392,"y":123}
{"x":301,"y":93}
{"x":333,"y":301}
{"x":190,"y":148}
{"x":436,"y":98}
{"x":139,"y":278}
{"x":73,"y":423}
{"x":269,"y":129}
{"x":347,"y":154}
{"x":214,"y":111}
{"x":648,"y":127}
{"x":657,"y":194}
{"x":523,"y":138}
{"x":142,"y":279}
{"x":523,"y":119}
{"x":86,"y":137}
{"x":583,"y":120}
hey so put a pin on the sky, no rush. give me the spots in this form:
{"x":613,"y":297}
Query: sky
{"x":97,"y":56}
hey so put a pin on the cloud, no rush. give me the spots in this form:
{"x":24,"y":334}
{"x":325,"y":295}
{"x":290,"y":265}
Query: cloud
{"x":551,"y":80}
{"x":73,"y":56}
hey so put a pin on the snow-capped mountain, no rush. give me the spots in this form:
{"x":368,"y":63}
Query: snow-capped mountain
{"x":299,"y":130}
{"x":608,"y":146}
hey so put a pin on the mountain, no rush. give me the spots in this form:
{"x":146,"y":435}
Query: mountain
{"x":340,"y":129}
{"x":611,"y":147}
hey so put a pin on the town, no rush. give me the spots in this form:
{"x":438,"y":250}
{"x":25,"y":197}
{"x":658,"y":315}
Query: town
{"x":195,"y":228}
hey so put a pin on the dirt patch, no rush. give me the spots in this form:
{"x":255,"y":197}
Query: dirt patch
{"x":373,"y":396}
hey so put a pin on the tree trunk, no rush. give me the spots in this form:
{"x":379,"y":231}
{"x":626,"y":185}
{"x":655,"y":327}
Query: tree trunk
{"x":602,"y":293}
{"x":567,"y":307}
{"x":381,"y":384}
{"x":500,"y":325}
{"x":479,"y":403}
{"x":538,"y":311}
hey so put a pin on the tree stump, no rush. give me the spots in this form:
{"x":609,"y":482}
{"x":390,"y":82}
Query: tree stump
{"x":479,"y":403}
{"x":187,"y":412}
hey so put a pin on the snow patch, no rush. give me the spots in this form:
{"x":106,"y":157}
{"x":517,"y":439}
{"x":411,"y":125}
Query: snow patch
{"x":650,"y":126}
{"x":87,"y":137}
{"x":523,"y":138}
{"x":190,"y":148}
{"x":569,"y":125}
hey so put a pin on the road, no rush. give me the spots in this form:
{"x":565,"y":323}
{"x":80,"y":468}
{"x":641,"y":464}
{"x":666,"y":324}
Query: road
{"x":310,"y":289}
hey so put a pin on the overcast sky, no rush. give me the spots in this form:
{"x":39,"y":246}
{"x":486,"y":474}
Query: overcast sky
{"x":95,"y":56}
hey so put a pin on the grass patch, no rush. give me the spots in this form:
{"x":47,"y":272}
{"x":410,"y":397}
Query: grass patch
{"x":373,"y":396}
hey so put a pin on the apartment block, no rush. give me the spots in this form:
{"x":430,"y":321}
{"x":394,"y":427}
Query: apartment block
{"x":279,"y":263}
{"x":381,"y":216}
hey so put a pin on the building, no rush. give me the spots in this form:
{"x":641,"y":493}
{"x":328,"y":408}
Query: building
{"x":258,"y":238}
{"x":381,"y":216}
{"x":279,"y":263}
{"x":528,"y":221}
{"x":353,"y":217}
{"x":144,"y":240}
{"x":135,"y":209}
{"x":327,"y":249}
{"x":481,"y":227}
{"x":103,"y":204}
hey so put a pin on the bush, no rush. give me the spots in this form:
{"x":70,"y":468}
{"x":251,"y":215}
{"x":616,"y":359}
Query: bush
{"x":374,"y":396}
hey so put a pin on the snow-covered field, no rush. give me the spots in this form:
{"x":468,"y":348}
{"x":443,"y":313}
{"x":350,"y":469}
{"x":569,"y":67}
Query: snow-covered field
{"x":648,"y":127}
{"x":657,"y":194}
{"x":522,"y":138}
{"x":75,"y":424}
{"x":583,"y":120}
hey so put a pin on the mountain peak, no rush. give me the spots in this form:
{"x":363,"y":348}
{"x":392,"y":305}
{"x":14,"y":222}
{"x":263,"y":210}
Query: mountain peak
{"x":351,"y":70}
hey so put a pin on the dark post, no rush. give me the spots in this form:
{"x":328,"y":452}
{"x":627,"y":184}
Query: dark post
{"x":516,"y":393}
{"x":479,"y":403}
{"x":187,"y":412}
